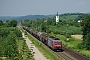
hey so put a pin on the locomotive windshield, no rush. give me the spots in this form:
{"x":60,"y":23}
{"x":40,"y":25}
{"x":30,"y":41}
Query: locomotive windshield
{"x":57,"y":42}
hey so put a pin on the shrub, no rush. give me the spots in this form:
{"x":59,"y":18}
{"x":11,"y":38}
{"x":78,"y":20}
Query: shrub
{"x":85,"y":52}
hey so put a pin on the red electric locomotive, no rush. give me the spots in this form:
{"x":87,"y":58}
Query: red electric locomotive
{"x":54,"y":43}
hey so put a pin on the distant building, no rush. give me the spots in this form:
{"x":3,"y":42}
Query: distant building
{"x":45,"y":20}
{"x":79,"y":21}
{"x":57,"y":18}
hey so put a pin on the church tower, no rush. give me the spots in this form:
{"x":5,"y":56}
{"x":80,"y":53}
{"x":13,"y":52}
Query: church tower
{"x":57,"y":18}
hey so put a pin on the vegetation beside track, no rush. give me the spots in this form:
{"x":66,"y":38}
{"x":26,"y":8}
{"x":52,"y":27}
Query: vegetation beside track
{"x":12,"y":45}
{"x":67,"y":26}
{"x":24,"y":50}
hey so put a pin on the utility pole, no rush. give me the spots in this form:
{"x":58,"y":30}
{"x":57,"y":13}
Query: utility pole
{"x":32,"y":24}
{"x":67,"y":31}
{"x":36,"y":26}
{"x":47,"y":27}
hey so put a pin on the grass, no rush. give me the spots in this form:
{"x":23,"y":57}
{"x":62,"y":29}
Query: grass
{"x":48,"y":54}
{"x":85,"y":52}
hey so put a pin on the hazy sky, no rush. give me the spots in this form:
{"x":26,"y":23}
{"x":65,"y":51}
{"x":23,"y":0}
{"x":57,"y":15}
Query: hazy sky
{"x":42,"y":7}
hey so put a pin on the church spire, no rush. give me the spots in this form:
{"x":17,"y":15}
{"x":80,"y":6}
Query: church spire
{"x":57,"y":14}
{"x":57,"y":18}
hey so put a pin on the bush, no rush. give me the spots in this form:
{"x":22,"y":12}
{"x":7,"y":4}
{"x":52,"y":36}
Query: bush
{"x":70,"y":46}
{"x":85,"y":52}
{"x":18,"y":33}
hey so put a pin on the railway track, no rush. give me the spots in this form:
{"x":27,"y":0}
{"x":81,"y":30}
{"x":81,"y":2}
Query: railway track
{"x":59,"y":55}
{"x":66,"y":54}
{"x":75,"y":54}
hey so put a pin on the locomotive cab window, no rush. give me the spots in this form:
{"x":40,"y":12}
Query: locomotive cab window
{"x":57,"y":43}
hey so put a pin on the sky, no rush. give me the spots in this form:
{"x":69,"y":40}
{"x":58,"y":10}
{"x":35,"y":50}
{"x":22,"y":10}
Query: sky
{"x":42,"y":7}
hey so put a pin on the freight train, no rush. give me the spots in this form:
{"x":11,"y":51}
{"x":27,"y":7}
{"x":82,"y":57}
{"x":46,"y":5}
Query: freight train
{"x":52,"y":42}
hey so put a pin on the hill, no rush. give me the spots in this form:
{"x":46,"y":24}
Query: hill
{"x":66,"y":16}
{"x":29,"y":17}
{"x":72,"y":16}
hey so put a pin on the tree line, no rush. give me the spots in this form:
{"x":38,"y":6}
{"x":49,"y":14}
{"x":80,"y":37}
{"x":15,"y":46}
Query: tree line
{"x":86,"y":33}
{"x":12,"y":23}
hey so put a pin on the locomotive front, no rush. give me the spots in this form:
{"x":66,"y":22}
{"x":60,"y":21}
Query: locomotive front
{"x":57,"y":44}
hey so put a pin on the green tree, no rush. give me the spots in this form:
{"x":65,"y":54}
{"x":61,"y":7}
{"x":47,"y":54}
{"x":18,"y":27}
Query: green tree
{"x":4,"y":32}
{"x":87,"y":41}
{"x":43,"y":27}
{"x":13,"y":23}
{"x":1,"y":23}
{"x":18,"y":33}
{"x":86,"y":32}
